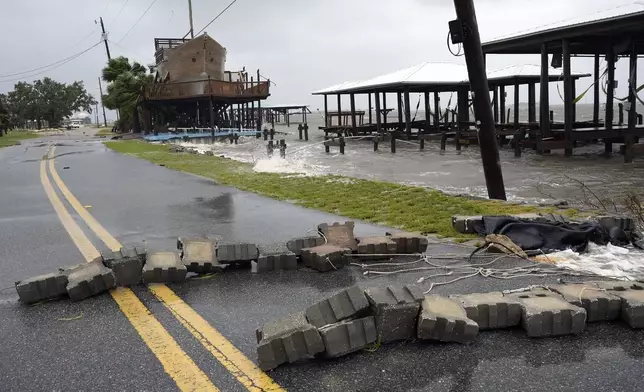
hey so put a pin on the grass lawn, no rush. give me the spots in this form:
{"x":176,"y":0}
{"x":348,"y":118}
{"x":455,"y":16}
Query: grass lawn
{"x":104,"y":132}
{"x":402,"y":206}
{"x":14,"y":138}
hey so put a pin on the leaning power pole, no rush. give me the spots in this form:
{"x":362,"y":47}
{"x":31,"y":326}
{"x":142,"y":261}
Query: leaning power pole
{"x":100,"y":88}
{"x":465,"y":30}
{"x":104,"y":36}
{"x":192,"y":30}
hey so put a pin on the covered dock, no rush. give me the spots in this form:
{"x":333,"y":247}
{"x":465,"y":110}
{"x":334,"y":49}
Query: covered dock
{"x":611,"y":34}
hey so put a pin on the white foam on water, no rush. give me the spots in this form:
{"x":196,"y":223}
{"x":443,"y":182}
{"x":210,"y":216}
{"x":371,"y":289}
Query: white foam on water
{"x":609,"y":261}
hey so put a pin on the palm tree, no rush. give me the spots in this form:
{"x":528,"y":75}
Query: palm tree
{"x":125,"y":83}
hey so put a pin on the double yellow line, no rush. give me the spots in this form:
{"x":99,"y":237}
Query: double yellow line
{"x":176,"y":363}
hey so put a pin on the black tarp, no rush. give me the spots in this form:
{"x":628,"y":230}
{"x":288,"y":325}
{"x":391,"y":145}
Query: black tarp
{"x":544,"y":236}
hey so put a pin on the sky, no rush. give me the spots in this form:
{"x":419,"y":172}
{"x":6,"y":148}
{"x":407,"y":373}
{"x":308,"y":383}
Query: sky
{"x":302,"y":46}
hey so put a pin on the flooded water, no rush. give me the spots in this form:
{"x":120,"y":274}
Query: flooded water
{"x":532,"y":178}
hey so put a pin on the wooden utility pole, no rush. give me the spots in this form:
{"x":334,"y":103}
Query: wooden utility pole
{"x":107,"y":47}
{"x":480,"y":91}
{"x":100,"y":88}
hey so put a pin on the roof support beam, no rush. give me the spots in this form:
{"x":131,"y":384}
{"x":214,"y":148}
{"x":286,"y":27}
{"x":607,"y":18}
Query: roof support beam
{"x":544,"y":100}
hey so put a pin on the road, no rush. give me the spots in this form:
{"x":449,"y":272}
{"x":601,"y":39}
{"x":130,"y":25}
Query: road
{"x":199,"y":335}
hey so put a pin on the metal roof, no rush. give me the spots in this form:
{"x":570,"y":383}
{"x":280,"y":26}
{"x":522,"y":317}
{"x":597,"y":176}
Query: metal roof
{"x":617,"y":20}
{"x":443,"y":75}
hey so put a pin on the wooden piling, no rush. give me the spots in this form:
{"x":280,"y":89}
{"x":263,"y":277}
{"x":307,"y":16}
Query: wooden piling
{"x":568,"y":95}
{"x":437,"y":114}
{"x":516,"y":105}
{"x":532,"y":102}
{"x":375,"y":142}
{"x":443,"y":140}
{"x":299,"y":130}
{"x":632,"y":99}
{"x":326,"y":112}
{"x":384,"y":109}
{"x":326,"y":148}
{"x":399,"y":107}
{"x":596,"y":92}
{"x":407,"y":115}
{"x":378,"y":117}
{"x":339,"y":110}
{"x":502,"y":104}
{"x":352,"y":99}
{"x":393,"y":142}
{"x":518,"y":140}
{"x":342,"y":143}
{"x":620,"y":113}
{"x":427,"y":115}
{"x":495,"y":104}
{"x":610,"y":94}
{"x":369,"y":104}
{"x":544,"y":103}
{"x":306,"y":132}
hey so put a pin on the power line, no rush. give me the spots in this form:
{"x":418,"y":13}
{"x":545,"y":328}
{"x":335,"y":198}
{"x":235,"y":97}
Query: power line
{"x":138,"y":20}
{"x":55,"y":65}
{"x":120,"y":11}
{"x":51,"y":64}
{"x":215,"y":18}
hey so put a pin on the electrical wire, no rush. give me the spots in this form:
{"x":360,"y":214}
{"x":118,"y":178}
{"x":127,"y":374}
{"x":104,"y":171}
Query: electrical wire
{"x":138,"y":20}
{"x":55,"y":65}
{"x":120,"y":11}
{"x":215,"y":18}
{"x":449,"y":47}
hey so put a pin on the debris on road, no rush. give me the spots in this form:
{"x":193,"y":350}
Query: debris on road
{"x":164,"y":267}
{"x":89,"y":279}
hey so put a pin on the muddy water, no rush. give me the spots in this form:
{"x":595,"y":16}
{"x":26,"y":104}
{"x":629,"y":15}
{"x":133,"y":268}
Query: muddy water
{"x":529,"y":178}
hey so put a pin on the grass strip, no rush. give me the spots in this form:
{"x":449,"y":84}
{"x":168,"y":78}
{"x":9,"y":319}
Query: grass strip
{"x":13,"y":138}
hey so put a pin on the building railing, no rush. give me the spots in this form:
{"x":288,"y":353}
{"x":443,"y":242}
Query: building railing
{"x":205,"y":88}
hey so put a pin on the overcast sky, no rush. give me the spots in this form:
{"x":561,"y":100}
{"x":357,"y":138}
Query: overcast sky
{"x":300,"y":45}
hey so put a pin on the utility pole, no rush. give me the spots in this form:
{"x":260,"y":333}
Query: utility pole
{"x":100,"y":88}
{"x":107,"y":47}
{"x":192,"y":30}
{"x":97,"y":123}
{"x":465,"y":29}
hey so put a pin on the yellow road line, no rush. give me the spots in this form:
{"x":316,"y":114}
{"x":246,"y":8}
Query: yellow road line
{"x":253,"y":378}
{"x":176,"y":363}
{"x":242,"y":368}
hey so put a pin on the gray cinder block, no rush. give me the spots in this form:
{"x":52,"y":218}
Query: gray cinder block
{"x":284,"y":261}
{"x":89,"y":279}
{"x":491,"y":310}
{"x":396,"y":311}
{"x":349,"y":303}
{"x":348,"y":336}
{"x":42,"y":287}
{"x":600,"y":305}
{"x":550,"y":315}
{"x":339,"y":234}
{"x":199,"y":255}
{"x":409,"y":242}
{"x":325,"y":258}
{"x":445,"y":320}
{"x":297,"y":244}
{"x":238,"y":253}
{"x":287,"y":340}
{"x":465,"y":224}
{"x":632,"y":311}
{"x":376,"y":245}
{"x":126,"y":264}
{"x":164,"y":267}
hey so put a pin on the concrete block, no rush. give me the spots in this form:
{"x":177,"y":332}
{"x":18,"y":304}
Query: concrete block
{"x":339,"y":234}
{"x":555,"y":218}
{"x":445,"y":320}
{"x":395,"y":309}
{"x":238,"y":253}
{"x":600,"y":305}
{"x":616,"y":285}
{"x":325,"y":258}
{"x":348,"y":336}
{"x":287,"y":340}
{"x":376,"y":245}
{"x":409,"y":242}
{"x":297,"y":244}
{"x":164,"y":267}
{"x":609,"y":221}
{"x":126,"y":264}
{"x":349,"y":303}
{"x":284,"y":261}
{"x":531,"y":217}
{"x":465,"y":224}
{"x":491,"y":310}
{"x":89,"y":279}
{"x":42,"y":287}
{"x":545,"y":315}
{"x":632,"y":311}
{"x":199,"y":255}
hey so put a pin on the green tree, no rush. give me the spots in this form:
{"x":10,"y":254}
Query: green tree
{"x":125,"y":83}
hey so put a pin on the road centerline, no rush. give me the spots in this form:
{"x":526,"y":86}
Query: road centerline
{"x":176,"y":363}
{"x":240,"y":367}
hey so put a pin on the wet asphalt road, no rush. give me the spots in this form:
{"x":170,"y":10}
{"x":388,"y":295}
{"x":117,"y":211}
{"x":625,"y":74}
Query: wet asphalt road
{"x":137,"y":201}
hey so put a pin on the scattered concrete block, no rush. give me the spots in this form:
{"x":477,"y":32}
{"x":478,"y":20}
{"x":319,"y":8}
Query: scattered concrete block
{"x":600,"y":305}
{"x":339,"y":234}
{"x":545,"y":315}
{"x":465,"y":224}
{"x":284,"y":261}
{"x":381,"y":245}
{"x":325,"y":258}
{"x":500,"y":243}
{"x":445,"y":320}
{"x":287,"y":340}
{"x":163,"y":267}
{"x":126,"y":264}
{"x":555,"y":218}
{"x":42,"y":287}
{"x":632,"y":311}
{"x":409,"y":242}
{"x":89,"y":279}
{"x":348,"y":336}
{"x":623,"y":222}
{"x":199,"y":255}
{"x":491,"y":310}
{"x":396,"y":311}
{"x":349,"y":303}
{"x":616,"y":285}
{"x":239,"y":253}
{"x":297,"y":244}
